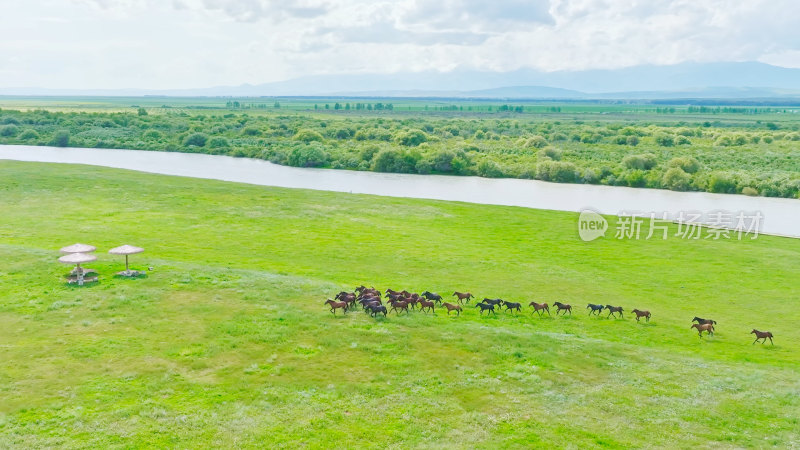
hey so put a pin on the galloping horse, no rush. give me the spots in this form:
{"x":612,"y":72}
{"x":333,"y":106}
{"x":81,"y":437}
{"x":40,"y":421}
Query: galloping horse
{"x":762,"y":335}
{"x":539,"y":307}
{"x":398,"y":306}
{"x":704,"y":321}
{"x":639,"y":314}
{"x":377,"y":308}
{"x":336,"y":305}
{"x":493,"y":301}
{"x":426,"y":304}
{"x":707,"y":327}
{"x":485,"y":307}
{"x":595,"y":308}
{"x":348,"y":297}
{"x":431,"y":296}
{"x":463,"y":296}
{"x":563,"y":307}
{"x":452,"y":307}
{"x":614,"y":309}
{"x":511,"y":306}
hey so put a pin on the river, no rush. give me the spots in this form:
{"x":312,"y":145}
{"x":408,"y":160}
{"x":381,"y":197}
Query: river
{"x":778,"y":216}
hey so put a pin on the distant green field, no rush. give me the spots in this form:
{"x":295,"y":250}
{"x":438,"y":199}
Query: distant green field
{"x":227,"y":343}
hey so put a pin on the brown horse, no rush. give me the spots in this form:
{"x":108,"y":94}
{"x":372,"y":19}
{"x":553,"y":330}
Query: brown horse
{"x":639,"y":314}
{"x":463,"y":296}
{"x":563,"y":307}
{"x":398,"y":306}
{"x":614,"y":309}
{"x":336,"y":305}
{"x":762,"y":335}
{"x":426,"y":304}
{"x":539,"y":307}
{"x":348,"y":297}
{"x":452,"y":307}
{"x":707,"y":327}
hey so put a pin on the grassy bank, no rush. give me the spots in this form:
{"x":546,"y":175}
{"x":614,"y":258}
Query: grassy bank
{"x":227,"y":341}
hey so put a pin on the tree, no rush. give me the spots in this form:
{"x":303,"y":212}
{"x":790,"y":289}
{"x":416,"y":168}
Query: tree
{"x":196,"y":139}
{"x":141,"y":112}
{"x":306,"y":135}
{"x":61,"y":138}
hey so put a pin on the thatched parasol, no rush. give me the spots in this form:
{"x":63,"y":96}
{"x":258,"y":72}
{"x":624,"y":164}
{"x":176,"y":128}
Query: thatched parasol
{"x":126,"y":250}
{"x":77,"y":259}
{"x":78,"y":248}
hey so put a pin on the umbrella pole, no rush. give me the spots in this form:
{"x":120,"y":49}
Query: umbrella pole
{"x":80,"y":275}
{"x":127,"y":270}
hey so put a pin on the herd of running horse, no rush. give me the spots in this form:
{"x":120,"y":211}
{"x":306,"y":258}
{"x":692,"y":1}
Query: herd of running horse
{"x":371,"y":301}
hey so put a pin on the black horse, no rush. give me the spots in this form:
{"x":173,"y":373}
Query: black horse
{"x":612,"y":310}
{"x":704,"y":321}
{"x":431,"y":296}
{"x":485,"y":307}
{"x":376,"y":309}
{"x":511,"y":306}
{"x":563,"y":307}
{"x":493,"y":301}
{"x":595,"y":308}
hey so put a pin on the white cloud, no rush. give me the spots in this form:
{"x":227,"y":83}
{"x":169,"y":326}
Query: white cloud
{"x":197,"y":43}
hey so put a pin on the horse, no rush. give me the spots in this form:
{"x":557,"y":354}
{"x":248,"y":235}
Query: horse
{"x":639,"y":314}
{"x":376,"y":308}
{"x":539,"y":307}
{"x":511,"y":306}
{"x":707,"y":327}
{"x":398,"y":306}
{"x":485,"y":307}
{"x":463,"y":296}
{"x":493,"y":301}
{"x":595,"y":308}
{"x":390,"y":292}
{"x":395,"y":296}
{"x":762,"y":335}
{"x":336,"y":305}
{"x":563,"y":307}
{"x":452,"y":307}
{"x":704,"y":321}
{"x":431,"y":296}
{"x":348,"y":297}
{"x":412,"y":301}
{"x":426,"y":304}
{"x":614,"y":309}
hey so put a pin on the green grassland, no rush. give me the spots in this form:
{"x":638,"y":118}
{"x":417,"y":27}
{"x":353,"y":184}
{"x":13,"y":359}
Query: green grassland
{"x":751,"y":150}
{"x":227,"y":342}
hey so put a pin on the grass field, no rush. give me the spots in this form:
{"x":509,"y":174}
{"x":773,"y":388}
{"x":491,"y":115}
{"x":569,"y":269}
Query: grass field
{"x":227,"y":342}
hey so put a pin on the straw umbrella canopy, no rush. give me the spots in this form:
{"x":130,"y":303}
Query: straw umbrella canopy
{"x":77,"y":259}
{"x":126,"y":250}
{"x":78,"y":248}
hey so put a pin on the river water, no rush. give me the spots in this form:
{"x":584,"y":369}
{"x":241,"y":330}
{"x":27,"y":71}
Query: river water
{"x":776,"y":215}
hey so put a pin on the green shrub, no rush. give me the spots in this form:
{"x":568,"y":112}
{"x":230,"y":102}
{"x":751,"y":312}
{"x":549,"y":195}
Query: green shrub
{"x":398,"y":161}
{"x":306,"y":135}
{"x":251,"y":131}
{"x":536,"y":142}
{"x":29,"y":134}
{"x":749,"y":191}
{"x":676,"y":179}
{"x":721,"y":183}
{"x":685,"y":163}
{"x":558,"y":171}
{"x":552,"y":153}
{"x":9,"y":130}
{"x":312,"y":155}
{"x":635,"y":178}
{"x":196,"y":139}
{"x":411,"y":138}
{"x":665,"y":140}
{"x":60,"y":139}
{"x":218,"y":142}
{"x":645,"y":161}
{"x":489,"y":169}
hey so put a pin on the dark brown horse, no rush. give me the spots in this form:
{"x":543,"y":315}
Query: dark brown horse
{"x":640,"y":314}
{"x":539,"y":307}
{"x":348,"y":297}
{"x":452,"y":307}
{"x":493,"y":301}
{"x":511,"y":306}
{"x":707,"y":327}
{"x":426,"y":304}
{"x":595,"y":308}
{"x":612,"y":310}
{"x":431,"y":296}
{"x":563,"y":307}
{"x":463,"y":296}
{"x":704,"y":321}
{"x":377,"y":308}
{"x":336,"y":305}
{"x":762,"y":335}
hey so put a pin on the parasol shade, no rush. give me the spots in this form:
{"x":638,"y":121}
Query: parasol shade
{"x":77,"y":258}
{"x":78,"y":248}
{"x":125,"y":250}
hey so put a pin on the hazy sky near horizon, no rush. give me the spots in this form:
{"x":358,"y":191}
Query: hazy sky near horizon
{"x":160,"y":44}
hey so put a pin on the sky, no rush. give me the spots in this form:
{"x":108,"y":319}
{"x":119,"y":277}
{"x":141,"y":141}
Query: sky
{"x":164,"y":44}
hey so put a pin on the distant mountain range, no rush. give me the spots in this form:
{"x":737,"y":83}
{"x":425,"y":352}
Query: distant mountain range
{"x":745,"y":80}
